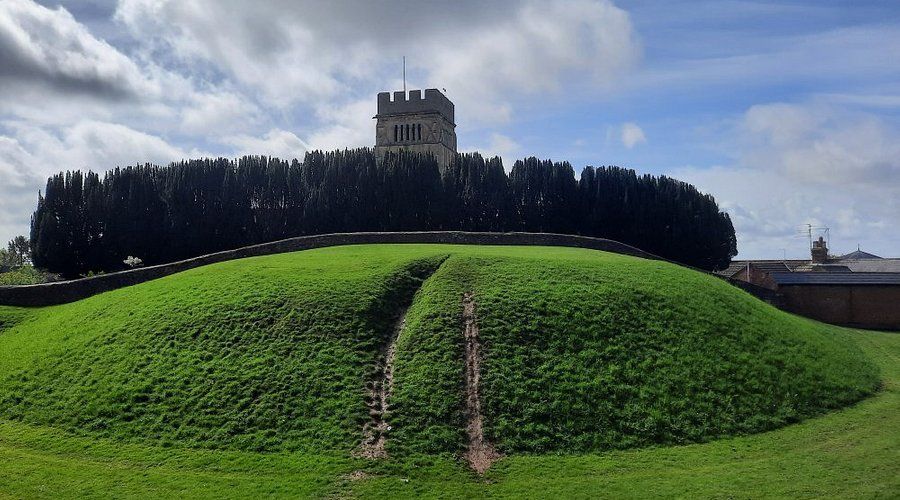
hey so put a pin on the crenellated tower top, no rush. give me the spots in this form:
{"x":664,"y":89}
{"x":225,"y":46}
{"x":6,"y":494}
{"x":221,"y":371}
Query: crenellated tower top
{"x":398,"y":103}
{"x":417,"y":122}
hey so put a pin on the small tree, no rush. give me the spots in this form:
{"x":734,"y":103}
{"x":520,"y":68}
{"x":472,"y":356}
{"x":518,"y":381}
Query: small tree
{"x":5,"y":261}
{"x":18,"y":252}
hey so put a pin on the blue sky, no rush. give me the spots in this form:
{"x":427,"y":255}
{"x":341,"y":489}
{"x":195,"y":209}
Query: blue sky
{"x":787,"y":112}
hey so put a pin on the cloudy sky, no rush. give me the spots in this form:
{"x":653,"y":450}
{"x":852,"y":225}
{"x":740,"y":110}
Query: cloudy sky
{"x":788,"y":112}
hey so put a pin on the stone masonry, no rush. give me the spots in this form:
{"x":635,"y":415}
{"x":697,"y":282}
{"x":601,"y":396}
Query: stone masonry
{"x":423,"y":124}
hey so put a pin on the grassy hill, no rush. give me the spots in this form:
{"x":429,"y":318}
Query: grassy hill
{"x":264,"y":354}
{"x":584,"y":352}
{"x":588,"y":351}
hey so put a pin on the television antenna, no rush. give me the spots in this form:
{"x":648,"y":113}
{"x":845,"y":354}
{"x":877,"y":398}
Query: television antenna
{"x":810,"y":229}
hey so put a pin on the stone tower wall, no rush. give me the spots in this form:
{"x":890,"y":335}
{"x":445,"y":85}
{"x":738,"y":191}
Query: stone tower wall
{"x":422,"y":124}
{"x":432,"y":101}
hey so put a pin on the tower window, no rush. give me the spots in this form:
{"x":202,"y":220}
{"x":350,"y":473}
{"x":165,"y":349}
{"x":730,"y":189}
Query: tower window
{"x":395,"y":133}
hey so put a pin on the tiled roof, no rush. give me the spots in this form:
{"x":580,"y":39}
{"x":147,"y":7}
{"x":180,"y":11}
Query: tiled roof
{"x":879,"y":265}
{"x":872,"y":265}
{"x":768,"y":266}
{"x":822,"y":268}
{"x":858,"y":255}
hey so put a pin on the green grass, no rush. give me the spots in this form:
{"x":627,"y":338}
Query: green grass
{"x":849,"y":453}
{"x":261,"y":354}
{"x":38,"y":462}
{"x":586,"y":351}
{"x":247,"y":378}
{"x":587,"y":357}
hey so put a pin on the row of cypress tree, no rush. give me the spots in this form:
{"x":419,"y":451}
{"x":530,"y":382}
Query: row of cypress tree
{"x":84,"y":223}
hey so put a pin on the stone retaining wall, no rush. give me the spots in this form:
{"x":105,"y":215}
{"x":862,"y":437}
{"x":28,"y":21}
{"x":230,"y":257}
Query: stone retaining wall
{"x":46,"y":294}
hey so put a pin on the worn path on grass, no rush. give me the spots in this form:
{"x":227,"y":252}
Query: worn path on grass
{"x":375,"y":430}
{"x":379,"y":392}
{"x":481,"y":453}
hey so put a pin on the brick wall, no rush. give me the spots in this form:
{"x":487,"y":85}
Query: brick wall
{"x":863,"y":306}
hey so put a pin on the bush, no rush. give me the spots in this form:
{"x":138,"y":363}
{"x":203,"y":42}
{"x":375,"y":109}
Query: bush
{"x":26,"y":275}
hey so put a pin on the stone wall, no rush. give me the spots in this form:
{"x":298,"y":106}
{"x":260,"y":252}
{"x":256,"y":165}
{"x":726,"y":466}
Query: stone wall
{"x":69,"y":291}
{"x":442,"y":154}
{"x":432,"y":100}
{"x":429,"y":118}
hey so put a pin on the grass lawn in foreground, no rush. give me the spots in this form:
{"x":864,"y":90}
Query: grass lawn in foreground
{"x":850,"y":453}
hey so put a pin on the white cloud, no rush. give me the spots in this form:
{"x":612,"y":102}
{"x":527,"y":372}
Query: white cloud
{"x":532,"y":51}
{"x":504,"y":147}
{"x":822,"y":145}
{"x":302,"y":52}
{"x":632,"y":135}
{"x":276,"y":77}
{"x":50,"y":48}
{"x":101,"y":146}
{"x":498,"y":145}
{"x":91,"y":145}
{"x":280,"y":143}
{"x":278,"y":48}
{"x":349,"y":125}
{"x":33,"y":153}
{"x":808,"y":163}
{"x":218,"y":113}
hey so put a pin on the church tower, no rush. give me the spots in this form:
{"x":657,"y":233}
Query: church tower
{"x":419,"y":124}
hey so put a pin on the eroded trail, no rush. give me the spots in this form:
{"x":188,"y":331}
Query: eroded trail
{"x":481,"y":453}
{"x":376,"y":429}
{"x":378,"y":390}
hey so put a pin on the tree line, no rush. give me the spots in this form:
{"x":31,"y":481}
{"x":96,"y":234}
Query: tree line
{"x":88,"y":223}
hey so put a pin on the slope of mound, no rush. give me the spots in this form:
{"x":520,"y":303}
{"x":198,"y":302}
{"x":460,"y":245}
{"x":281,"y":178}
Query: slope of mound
{"x":587,"y":351}
{"x":580,"y":350}
{"x":263,"y":353}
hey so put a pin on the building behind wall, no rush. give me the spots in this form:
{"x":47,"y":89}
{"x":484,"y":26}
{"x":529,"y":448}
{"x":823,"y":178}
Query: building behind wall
{"x":418,"y":123}
{"x":857,"y":289}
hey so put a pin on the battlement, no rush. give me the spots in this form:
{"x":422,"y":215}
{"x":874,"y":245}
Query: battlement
{"x":432,"y":101}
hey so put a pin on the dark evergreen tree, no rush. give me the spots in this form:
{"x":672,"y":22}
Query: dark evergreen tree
{"x":86,"y":223}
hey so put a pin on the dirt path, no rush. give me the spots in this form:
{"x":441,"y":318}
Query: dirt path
{"x":375,"y":430}
{"x":481,"y":454}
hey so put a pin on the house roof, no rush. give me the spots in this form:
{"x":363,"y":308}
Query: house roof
{"x":841,"y":264}
{"x":822,"y":268}
{"x":872,"y":265}
{"x":836,"y":278}
{"x":858,"y":255}
{"x":732,"y":268}
{"x":768,"y":266}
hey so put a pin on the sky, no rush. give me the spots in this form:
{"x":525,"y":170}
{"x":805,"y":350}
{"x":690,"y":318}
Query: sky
{"x":788,"y":112}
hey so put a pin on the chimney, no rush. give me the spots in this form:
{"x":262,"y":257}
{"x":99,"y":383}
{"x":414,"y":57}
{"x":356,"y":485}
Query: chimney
{"x":819,"y":251}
